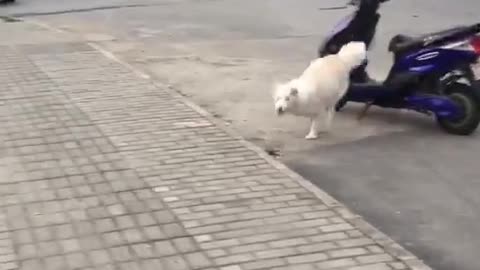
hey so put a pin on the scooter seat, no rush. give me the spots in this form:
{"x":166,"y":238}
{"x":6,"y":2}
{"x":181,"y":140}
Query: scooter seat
{"x":402,"y":43}
{"x":366,"y":92}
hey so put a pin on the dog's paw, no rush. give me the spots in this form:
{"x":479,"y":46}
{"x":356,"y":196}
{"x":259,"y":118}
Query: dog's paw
{"x":311,"y":136}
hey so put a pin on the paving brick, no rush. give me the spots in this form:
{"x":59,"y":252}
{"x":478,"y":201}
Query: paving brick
{"x":355,"y":242}
{"x":288,"y":242}
{"x":130,"y":266}
{"x":214,"y":253}
{"x":355,"y":233}
{"x":398,"y":266}
{"x":27,"y":251}
{"x":335,"y":264}
{"x":174,"y":263}
{"x":23,"y":236}
{"x":133,"y":235}
{"x":70,"y":245}
{"x":336,"y":227}
{"x":347,"y":252}
{"x":10,"y":265}
{"x":84,"y":228}
{"x":165,"y":248}
{"x":307,"y":258}
{"x":143,"y":250}
{"x":232,"y":210}
{"x":154,"y":233}
{"x":318,"y":214}
{"x":272,"y":253}
{"x":283,"y":219}
{"x":164,"y":217}
{"x":104,"y":225}
{"x":125,"y":176}
{"x":77,"y":260}
{"x":263,"y":264}
{"x":173,"y":230}
{"x":307,"y":266}
{"x":198,"y":215}
{"x":99,"y":257}
{"x":121,"y":254}
{"x":220,"y":244}
{"x":55,"y":262}
{"x":234,"y":259}
{"x":219,"y":219}
{"x":151,"y":264}
{"x":145,"y":219}
{"x":198,"y":260}
{"x":377,"y":258}
{"x":248,"y":248}
{"x":231,"y":267}
{"x":317,"y":247}
{"x":32,"y":264}
{"x":329,"y":237}
{"x":381,"y":266}
{"x":90,"y":242}
{"x":185,"y":244}
{"x":259,"y":238}
{"x":124,"y":222}
{"x":48,"y":249}
{"x":375,"y":249}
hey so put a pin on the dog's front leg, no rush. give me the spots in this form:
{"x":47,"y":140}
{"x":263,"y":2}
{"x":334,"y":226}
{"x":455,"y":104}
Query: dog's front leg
{"x":313,"y":134}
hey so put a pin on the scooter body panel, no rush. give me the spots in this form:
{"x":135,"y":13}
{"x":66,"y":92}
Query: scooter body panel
{"x":433,"y":60}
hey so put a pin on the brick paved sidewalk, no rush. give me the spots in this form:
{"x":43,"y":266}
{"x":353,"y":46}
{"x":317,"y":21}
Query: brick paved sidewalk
{"x":101,"y":169}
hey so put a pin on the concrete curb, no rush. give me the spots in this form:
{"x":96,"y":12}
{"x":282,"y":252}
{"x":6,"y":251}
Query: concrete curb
{"x":390,"y":246}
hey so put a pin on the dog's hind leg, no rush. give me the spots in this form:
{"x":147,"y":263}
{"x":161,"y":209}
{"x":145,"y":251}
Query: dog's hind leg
{"x":329,"y":118}
{"x":313,"y":134}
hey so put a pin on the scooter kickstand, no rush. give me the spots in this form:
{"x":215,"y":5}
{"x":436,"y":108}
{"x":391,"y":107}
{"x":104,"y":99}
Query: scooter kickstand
{"x":364,"y":111}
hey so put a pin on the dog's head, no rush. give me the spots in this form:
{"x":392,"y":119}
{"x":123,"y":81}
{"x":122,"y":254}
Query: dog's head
{"x":285,"y":97}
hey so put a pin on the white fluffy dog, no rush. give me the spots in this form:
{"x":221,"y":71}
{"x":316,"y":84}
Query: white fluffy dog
{"x":324,"y":82}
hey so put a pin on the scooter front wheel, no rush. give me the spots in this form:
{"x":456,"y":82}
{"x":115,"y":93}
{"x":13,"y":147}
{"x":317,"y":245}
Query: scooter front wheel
{"x":465,"y":125}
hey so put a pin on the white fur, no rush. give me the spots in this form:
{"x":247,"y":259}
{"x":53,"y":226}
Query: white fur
{"x":324,"y":82}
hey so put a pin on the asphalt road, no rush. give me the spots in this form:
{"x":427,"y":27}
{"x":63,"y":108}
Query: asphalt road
{"x":398,"y":170}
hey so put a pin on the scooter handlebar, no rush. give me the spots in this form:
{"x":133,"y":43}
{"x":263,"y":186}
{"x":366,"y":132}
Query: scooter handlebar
{"x":358,"y":2}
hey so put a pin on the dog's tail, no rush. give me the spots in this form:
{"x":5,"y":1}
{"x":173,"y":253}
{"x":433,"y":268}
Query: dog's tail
{"x":353,"y":54}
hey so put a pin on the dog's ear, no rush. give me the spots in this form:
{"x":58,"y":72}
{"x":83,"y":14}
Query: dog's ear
{"x":294,"y":91}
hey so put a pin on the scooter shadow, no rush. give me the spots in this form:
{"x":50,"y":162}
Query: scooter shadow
{"x":406,"y":119}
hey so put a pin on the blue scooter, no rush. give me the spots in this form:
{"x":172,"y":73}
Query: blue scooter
{"x":425,"y":77}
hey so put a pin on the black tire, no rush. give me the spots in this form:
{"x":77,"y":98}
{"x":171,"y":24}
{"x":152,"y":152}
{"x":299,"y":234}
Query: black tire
{"x":463,"y":95}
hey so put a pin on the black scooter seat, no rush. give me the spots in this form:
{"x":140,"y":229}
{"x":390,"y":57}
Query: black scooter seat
{"x":378,"y":93}
{"x":401,"y":43}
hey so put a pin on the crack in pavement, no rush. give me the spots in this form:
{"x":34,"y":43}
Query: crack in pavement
{"x":333,"y":8}
{"x":81,"y":10}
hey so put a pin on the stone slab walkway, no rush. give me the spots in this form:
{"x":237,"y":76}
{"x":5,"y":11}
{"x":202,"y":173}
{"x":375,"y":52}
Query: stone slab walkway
{"x":103,"y":169}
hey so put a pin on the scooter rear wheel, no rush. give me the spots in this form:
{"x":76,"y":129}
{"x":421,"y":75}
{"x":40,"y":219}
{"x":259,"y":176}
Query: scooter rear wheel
{"x":464,"y":96}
